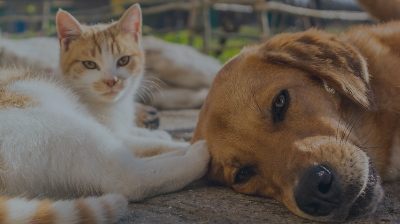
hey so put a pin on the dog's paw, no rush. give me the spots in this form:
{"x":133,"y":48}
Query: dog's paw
{"x":199,"y":154}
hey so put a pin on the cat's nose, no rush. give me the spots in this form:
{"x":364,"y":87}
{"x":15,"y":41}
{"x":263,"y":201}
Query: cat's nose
{"x":111,"y":82}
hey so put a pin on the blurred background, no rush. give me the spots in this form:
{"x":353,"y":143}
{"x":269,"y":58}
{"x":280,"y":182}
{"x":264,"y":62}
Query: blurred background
{"x":216,"y":27}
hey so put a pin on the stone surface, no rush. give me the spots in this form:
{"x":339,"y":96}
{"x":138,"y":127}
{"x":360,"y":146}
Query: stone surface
{"x":199,"y":203}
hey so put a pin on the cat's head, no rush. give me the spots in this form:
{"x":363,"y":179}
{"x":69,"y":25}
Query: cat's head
{"x":103,"y":62}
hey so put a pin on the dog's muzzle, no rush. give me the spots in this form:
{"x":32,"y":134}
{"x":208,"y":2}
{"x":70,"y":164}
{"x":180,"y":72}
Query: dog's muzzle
{"x":320,"y":194}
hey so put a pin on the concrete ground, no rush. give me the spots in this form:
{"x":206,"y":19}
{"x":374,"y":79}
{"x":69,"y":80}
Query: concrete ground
{"x":199,"y":203}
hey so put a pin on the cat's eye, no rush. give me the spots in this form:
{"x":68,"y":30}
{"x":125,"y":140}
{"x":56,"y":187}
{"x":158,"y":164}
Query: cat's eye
{"x":243,"y":175}
{"x":123,"y":61}
{"x":90,"y":64}
{"x":280,"y":105}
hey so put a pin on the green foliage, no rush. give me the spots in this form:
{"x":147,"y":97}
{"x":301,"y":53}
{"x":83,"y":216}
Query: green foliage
{"x":26,"y":34}
{"x":50,"y":31}
{"x":234,"y":46}
{"x":181,"y":37}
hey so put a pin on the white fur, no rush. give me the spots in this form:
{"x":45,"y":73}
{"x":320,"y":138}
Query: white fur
{"x":20,"y":210}
{"x":58,"y":149}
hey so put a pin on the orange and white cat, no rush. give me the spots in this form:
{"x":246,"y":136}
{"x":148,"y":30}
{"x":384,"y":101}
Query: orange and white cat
{"x":104,"y":65}
{"x":72,"y":135}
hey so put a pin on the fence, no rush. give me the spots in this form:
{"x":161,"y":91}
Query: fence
{"x":196,"y":8}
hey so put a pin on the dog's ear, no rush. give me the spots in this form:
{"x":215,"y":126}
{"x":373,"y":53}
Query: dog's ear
{"x":324,"y":55}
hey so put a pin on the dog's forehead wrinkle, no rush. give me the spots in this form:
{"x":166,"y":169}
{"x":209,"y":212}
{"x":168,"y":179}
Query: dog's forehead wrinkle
{"x":237,"y":161}
{"x":312,"y":53}
{"x":240,"y":98}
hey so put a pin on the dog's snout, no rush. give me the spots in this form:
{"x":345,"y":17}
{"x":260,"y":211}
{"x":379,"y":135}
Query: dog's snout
{"x":318,"y":192}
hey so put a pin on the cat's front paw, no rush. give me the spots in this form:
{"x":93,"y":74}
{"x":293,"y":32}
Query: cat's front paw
{"x":200,"y":156}
{"x":161,"y":134}
{"x":158,"y":134}
{"x":147,"y":116}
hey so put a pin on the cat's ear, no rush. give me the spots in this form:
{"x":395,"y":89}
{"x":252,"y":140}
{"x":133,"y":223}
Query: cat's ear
{"x":68,"y":28}
{"x":131,"y":21}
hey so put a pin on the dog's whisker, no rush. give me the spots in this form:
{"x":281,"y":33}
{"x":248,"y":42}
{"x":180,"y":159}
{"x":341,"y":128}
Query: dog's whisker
{"x":357,"y":119}
{"x":353,"y":125}
{"x":350,"y":125}
{"x":255,"y":101}
{"x":340,"y":118}
{"x":397,"y":112}
{"x":385,"y":97}
{"x":377,"y":136}
{"x":369,"y":123}
{"x":375,"y":147}
{"x":348,"y":122}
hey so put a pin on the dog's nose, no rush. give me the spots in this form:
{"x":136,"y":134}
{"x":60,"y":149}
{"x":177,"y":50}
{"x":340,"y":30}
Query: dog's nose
{"x":318,"y":192}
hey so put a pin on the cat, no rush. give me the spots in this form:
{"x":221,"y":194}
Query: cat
{"x":72,"y":135}
{"x":105,"y":69}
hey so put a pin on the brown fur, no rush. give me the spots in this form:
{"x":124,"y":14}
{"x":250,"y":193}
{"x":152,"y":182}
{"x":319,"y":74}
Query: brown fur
{"x":9,"y":99}
{"x":382,"y":10}
{"x":14,"y":100}
{"x":85,"y":213}
{"x":44,"y":213}
{"x":3,"y":210}
{"x":338,"y":113}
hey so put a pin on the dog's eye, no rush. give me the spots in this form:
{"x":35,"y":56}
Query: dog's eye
{"x":90,"y":64}
{"x":280,"y":102}
{"x":280,"y":106}
{"x":243,"y":175}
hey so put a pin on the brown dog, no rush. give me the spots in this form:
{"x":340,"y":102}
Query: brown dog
{"x":310,"y":119}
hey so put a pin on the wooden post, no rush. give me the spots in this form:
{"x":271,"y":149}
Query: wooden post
{"x":264,"y":25}
{"x":192,"y":21}
{"x":261,"y":8}
{"x":313,"y":5}
{"x":207,"y":27}
{"x":306,"y":22}
{"x":46,"y":15}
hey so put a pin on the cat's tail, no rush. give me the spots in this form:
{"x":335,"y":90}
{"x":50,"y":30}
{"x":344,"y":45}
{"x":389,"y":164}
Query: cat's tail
{"x":105,"y":209}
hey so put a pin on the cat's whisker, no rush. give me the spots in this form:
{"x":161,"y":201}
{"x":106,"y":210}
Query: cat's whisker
{"x":148,"y":93}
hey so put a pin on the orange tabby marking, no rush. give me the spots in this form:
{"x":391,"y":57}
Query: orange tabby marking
{"x":14,"y":100}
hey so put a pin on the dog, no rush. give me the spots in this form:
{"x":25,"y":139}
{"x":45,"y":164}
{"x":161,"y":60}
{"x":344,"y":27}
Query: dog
{"x":310,"y":119}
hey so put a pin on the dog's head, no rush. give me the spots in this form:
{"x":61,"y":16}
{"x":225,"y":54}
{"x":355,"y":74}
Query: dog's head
{"x":273,"y":121}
